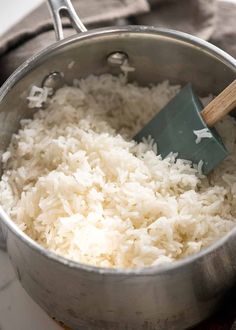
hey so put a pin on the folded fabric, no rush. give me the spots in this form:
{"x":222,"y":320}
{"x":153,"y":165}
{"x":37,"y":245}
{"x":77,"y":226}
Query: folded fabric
{"x":224,"y":34}
{"x":91,"y":12}
{"x":196,"y":17}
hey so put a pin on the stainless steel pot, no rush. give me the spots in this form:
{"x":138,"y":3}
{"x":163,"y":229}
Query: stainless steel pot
{"x":86,"y":297}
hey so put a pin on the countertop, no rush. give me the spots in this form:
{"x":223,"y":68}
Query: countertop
{"x":17,"y":310}
{"x":12,"y":12}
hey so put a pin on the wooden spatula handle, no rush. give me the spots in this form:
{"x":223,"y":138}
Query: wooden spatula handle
{"x":220,"y":106}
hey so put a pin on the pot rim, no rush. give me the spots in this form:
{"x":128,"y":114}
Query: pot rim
{"x":29,"y":64}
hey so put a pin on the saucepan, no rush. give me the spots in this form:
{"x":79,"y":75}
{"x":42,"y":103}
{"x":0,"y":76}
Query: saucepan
{"x":176,"y":296}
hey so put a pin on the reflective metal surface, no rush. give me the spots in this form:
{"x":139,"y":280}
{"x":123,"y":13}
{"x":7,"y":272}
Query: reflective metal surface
{"x":86,"y":297}
{"x":59,"y":7}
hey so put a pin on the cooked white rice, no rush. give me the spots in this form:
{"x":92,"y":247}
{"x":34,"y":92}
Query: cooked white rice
{"x":77,"y":184}
{"x":202,"y":134}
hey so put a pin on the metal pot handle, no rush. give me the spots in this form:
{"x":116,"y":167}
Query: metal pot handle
{"x":59,"y":7}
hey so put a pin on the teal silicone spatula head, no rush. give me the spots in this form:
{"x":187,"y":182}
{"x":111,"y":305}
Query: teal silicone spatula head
{"x":182,"y":127}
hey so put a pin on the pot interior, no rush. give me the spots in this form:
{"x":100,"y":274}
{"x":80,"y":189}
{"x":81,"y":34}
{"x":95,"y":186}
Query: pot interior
{"x":156,"y":55}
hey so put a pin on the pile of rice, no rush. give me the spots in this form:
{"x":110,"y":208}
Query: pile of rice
{"x":76,"y":182}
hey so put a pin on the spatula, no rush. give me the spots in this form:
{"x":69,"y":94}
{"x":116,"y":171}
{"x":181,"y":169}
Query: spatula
{"x":184,"y":127}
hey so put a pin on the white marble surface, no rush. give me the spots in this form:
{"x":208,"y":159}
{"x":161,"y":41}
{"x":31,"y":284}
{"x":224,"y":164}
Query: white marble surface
{"x":17,"y":310}
{"x":12,"y":11}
